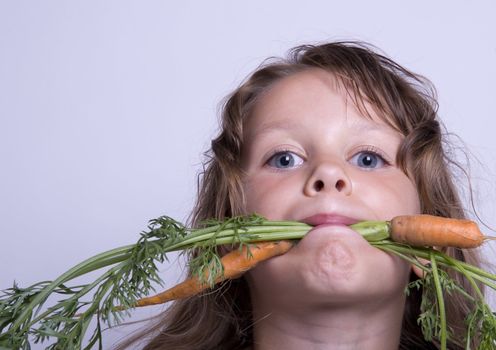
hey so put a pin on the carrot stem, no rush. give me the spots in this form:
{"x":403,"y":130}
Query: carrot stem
{"x":440,"y":301}
{"x":133,"y":269}
{"x":443,"y":260}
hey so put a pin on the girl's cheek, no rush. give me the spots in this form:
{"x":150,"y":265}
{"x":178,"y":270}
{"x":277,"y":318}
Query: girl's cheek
{"x":268,"y":195}
{"x":389,"y":196}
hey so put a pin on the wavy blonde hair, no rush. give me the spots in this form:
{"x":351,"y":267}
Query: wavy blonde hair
{"x":222,"y":319}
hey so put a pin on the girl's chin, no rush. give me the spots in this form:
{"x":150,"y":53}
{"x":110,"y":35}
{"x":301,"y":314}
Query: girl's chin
{"x":331,"y":264}
{"x":339,"y":258}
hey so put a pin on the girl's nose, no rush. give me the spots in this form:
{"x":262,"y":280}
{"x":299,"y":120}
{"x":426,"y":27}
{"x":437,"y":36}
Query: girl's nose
{"x":328,"y":177}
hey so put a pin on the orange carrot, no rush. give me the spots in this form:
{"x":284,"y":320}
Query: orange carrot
{"x":417,"y":230}
{"x":235,"y":264}
{"x":428,"y":230}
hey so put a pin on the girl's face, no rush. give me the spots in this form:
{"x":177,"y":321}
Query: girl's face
{"x":311,"y":156}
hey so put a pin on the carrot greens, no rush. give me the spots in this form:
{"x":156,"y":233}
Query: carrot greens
{"x":131,"y":272}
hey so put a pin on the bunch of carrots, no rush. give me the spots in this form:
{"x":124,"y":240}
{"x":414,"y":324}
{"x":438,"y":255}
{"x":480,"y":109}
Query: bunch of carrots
{"x":422,"y":230}
{"x":132,"y":271}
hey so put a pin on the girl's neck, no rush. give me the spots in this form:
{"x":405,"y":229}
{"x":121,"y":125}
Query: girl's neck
{"x":362,"y":326}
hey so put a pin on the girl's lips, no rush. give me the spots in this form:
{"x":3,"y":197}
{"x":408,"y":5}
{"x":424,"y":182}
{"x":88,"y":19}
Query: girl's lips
{"x":329,"y":219}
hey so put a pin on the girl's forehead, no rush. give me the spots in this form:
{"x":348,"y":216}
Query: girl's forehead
{"x":310,"y":93}
{"x":299,"y":83}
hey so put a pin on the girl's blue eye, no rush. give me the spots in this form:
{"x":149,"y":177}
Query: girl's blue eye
{"x":368,"y":160}
{"x":285,"y":160}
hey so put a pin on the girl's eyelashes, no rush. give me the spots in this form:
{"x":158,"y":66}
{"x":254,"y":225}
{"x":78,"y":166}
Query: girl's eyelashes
{"x":369,"y":159}
{"x":284,"y":160}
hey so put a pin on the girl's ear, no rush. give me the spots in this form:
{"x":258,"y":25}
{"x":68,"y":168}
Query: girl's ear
{"x":417,"y":270}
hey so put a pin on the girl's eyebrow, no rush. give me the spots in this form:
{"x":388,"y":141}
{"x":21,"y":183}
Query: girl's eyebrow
{"x":287,"y":124}
{"x":284,"y":124}
{"x":376,"y":128}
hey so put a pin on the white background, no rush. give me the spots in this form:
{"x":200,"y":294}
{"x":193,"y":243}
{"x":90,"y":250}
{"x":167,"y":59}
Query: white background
{"x":107,"y":106}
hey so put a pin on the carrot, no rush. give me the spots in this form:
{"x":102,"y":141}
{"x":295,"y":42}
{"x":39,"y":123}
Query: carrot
{"x":418,"y":230}
{"x":235,"y":264}
{"x":131,"y":264}
{"x":428,"y":230}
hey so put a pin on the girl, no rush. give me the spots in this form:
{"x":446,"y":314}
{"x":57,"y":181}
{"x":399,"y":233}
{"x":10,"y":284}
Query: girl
{"x":334,"y":134}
